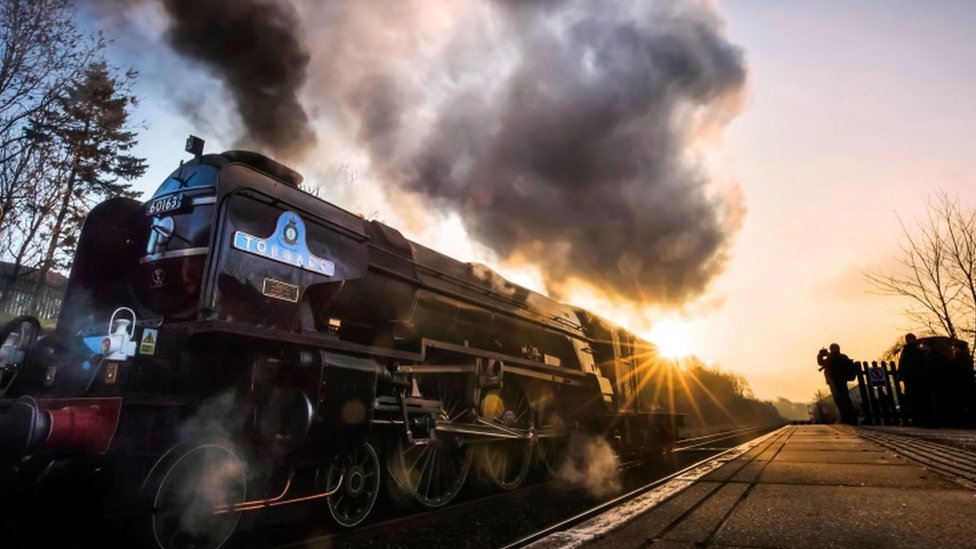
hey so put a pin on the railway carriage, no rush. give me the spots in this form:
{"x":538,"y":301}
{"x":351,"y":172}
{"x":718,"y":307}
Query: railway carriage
{"x":236,"y":344}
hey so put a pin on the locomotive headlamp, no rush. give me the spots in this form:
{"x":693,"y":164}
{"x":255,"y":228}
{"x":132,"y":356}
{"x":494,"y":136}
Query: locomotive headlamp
{"x":161,"y":232}
{"x":118,"y":344}
{"x":163,"y":228}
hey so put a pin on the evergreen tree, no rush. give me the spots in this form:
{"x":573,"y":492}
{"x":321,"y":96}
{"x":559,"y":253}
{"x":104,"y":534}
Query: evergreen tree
{"x":93,"y":139}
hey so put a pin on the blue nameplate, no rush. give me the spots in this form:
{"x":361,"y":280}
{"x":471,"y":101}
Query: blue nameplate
{"x":286,"y":245}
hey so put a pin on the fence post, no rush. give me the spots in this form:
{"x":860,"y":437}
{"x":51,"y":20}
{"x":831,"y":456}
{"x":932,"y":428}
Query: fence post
{"x":866,"y":406}
{"x":894,"y":379}
{"x":882,"y":400}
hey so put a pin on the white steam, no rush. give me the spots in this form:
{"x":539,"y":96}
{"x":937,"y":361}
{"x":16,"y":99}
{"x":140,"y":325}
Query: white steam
{"x":592,"y":465}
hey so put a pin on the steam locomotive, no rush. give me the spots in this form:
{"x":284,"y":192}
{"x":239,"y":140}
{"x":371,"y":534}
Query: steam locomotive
{"x":236,"y":344}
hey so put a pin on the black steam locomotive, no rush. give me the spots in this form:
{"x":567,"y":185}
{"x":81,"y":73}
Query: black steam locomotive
{"x":236,"y":344}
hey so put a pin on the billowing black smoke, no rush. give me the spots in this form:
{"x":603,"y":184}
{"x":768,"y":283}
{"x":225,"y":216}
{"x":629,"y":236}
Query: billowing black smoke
{"x":577,"y":160}
{"x":254,"y":47}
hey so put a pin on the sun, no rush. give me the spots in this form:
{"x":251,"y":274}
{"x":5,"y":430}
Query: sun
{"x":672,"y":337}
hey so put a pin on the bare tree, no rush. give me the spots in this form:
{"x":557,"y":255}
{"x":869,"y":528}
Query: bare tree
{"x":937,"y":270}
{"x":961,"y":245}
{"x":27,"y":226}
{"x":42,"y":51}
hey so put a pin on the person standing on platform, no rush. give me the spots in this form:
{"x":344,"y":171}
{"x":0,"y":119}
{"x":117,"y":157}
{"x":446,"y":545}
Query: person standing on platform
{"x":837,"y":368}
{"x":910,"y":373}
{"x":961,"y":370}
{"x":937,"y":385}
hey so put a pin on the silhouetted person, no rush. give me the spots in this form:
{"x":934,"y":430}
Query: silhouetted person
{"x":961,"y":371}
{"x":835,"y":366}
{"x":936,"y":387}
{"x":910,"y":371}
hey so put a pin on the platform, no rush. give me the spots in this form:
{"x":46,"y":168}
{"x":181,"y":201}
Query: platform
{"x":805,"y":486}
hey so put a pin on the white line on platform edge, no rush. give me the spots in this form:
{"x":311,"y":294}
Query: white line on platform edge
{"x":600,"y":525}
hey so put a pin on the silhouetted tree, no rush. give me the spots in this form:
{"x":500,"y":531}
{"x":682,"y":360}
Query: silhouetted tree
{"x":893,"y":350}
{"x":711,"y":396}
{"x":937,"y":270}
{"x":41,"y":50}
{"x":29,"y":222}
{"x":92,"y":139}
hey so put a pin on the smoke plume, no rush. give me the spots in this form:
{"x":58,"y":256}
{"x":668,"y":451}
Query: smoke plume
{"x":559,"y":131}
{"x":254,"y":47}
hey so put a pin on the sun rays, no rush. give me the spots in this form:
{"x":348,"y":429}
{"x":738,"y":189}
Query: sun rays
{"x":680,"y":385}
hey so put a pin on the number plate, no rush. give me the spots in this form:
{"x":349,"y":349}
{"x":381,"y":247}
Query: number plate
{"x":280,"y":290}
{"x":165,"y":204}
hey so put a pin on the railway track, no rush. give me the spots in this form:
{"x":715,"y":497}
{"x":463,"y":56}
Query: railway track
{"x":475,"y":521}
{"x":706,"y":442}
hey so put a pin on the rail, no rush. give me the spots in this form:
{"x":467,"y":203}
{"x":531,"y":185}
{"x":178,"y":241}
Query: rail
{"x":698,"y":443}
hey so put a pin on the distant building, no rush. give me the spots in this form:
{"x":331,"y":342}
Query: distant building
{"x":17,"y":292}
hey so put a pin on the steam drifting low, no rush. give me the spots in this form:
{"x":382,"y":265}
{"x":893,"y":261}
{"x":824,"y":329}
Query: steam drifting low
{"x":559,"y":130}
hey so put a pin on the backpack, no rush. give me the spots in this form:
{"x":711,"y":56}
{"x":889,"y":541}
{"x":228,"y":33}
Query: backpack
{"x":849,"y":369}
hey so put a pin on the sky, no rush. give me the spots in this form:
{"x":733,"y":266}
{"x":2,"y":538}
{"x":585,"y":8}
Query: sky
{"x":787,"y":137}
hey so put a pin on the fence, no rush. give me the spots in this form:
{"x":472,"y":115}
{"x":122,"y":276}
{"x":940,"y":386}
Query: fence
{"x":20,"y":295}
{"x":882,"y":397}
{"x":942,"y":389}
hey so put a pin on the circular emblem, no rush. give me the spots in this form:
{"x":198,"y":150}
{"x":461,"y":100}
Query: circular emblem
{"x":291,"y":233}
{"x":158,"y":277}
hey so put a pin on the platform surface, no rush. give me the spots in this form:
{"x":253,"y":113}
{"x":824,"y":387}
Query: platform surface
{"x":810,"y":486}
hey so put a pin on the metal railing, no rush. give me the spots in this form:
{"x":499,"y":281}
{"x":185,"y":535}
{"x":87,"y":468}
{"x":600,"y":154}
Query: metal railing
{"x":23,"y":297}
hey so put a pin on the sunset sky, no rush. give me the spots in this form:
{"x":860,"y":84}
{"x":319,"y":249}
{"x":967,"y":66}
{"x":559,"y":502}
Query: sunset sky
{"x":851,"y":114}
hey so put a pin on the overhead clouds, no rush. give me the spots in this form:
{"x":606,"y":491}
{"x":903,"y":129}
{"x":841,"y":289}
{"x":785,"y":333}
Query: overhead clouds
{"x":559,"y":130}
